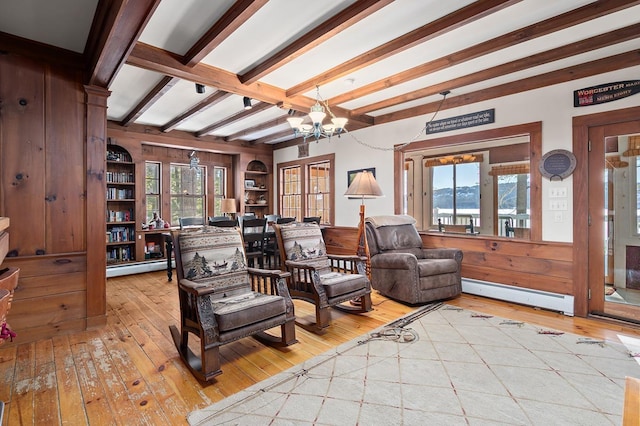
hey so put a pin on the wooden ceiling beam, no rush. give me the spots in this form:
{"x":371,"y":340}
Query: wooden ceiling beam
{"x":116,"y":27}
{"x":204,"y":104}
{"x":183,"y":140}
{"x":257,"y":128}
{"x":323,"y":32}
{"x":457,"y":19}
{"x":262,"y":106}
{"x":168,"y":63}
{"x":269,"y":139}
{"x":233,"y":18}
{"x":560,"y":22}
{"x":151,"y":98}
{"x":601,"y":66}
{"x":597,"y":42}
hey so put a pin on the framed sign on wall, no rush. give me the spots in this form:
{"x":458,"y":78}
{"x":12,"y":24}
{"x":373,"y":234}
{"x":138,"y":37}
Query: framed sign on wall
{"x":557,"y":164}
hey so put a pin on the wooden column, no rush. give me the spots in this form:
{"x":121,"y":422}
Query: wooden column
{"x":96,"y":145}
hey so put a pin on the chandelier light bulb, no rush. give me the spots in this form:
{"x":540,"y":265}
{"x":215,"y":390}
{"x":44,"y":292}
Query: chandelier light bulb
{"x":317,"y":114}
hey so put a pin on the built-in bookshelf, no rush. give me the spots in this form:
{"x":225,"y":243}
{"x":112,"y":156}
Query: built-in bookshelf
{"x":120,"y":214}
{"x":256,"y":189}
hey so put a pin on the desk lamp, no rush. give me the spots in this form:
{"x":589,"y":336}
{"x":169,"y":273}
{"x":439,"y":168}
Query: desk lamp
{"x":228,"y":207}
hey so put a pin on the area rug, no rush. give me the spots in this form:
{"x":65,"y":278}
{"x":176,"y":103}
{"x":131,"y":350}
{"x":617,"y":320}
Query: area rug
{"x":446,"y":366}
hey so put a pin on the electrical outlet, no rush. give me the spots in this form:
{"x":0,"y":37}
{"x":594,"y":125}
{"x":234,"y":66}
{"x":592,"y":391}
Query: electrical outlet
{"x":557,"y":217}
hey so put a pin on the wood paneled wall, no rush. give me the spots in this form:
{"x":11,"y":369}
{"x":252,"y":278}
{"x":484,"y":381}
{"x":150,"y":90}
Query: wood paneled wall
{"x":546,"y":266}
{"x":43,"y":189}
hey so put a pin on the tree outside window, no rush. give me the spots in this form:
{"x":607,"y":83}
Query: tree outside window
{"x":152,"y":189}
{"x":219,"y":189}
{"x":513,"y":203}
{"x":188,"y":191}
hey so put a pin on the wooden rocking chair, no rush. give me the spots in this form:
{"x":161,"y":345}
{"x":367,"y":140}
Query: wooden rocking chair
{"x":327,"y":281}
{"x":222,"y":300}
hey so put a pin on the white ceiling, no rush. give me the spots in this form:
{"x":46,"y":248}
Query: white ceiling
{"x":176,"y":25}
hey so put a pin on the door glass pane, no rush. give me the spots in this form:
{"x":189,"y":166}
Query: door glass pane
{"x":621,"y":247}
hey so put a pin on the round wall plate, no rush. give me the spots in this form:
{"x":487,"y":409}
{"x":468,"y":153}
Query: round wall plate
{"x":557,"y":164}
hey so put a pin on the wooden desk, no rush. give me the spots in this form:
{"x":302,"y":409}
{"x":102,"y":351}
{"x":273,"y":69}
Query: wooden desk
{"x":631,"y":413}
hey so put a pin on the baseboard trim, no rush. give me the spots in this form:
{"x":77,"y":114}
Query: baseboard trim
{"x":137,"y":268}
{"x":542,"y":299}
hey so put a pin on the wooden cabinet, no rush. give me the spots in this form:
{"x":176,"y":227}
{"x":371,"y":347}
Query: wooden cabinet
{"x":257,"y":181}
{"x":121,"y":224}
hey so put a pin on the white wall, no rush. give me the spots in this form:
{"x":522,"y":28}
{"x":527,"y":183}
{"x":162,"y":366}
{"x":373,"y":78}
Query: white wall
{"x":552,"y":105}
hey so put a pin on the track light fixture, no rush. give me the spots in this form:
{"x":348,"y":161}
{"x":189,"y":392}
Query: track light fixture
{"x":247,"y":102}
{"x":199,"y":88}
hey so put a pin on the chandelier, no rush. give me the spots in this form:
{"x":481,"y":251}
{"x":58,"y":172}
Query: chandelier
{"x":317,"y":130}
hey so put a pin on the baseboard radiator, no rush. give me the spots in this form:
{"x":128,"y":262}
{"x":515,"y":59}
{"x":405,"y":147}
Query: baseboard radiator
{"x":541,"y":299}
{"x":136,"y":268}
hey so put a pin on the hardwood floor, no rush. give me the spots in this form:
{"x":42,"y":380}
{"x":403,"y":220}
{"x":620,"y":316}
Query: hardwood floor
{"x":129,"y":372}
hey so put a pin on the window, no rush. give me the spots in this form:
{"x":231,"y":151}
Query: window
{"x":513,"y":202}
{"x":502,"y":147}
{"x":455,"y":190}
{"x":291,"y":192}
{"x":306,"y":188}
{"x":219,"y":189}
{"x":188,"y":191}
{"x":318,"y":190}
{"x":407,"y":188}
{"x":152,"y":188}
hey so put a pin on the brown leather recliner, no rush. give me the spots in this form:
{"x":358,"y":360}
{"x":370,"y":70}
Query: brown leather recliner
{"x":403,"y":270}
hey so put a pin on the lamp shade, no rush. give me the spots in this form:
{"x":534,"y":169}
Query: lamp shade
{"x":228,"y":205}
{"x":364,"y":185}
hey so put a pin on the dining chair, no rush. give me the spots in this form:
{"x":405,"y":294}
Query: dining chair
{"x":253,"y":235}
{"x":190,"y":221}
{"x":271,"y":252}
{"x":226,"y":223}
{"x":283,"y":220}
{"x":216,"y":218}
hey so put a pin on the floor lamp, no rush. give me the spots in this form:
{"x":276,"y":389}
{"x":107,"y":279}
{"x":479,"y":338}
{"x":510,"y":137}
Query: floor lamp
{"x":364,"y":185}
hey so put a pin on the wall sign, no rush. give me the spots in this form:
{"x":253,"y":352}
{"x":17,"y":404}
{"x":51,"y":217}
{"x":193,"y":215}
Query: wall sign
{"x":605,"y":93}
{"x":557,"y":164}
{"x":462,"y":121}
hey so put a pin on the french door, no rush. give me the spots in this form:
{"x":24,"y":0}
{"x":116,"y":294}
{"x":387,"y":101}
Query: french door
{"x":614,"y":220}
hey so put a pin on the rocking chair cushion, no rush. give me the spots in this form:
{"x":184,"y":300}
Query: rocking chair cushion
{"x":303,"y":241}
{"x":236,"y":312}
{"x":336,"y":284}
{"x":211,"y":252}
